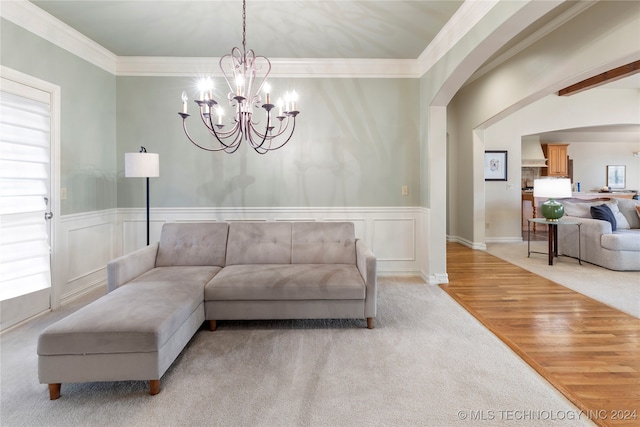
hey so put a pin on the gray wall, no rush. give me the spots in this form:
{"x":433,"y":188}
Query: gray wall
{"x":356,"y":144}
{"x":88,"y":128}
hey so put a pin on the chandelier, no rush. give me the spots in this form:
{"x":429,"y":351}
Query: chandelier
{"x":246,"y":75}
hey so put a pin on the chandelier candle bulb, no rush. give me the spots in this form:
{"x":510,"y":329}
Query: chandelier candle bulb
{"x":220,"y":114}
{"x":239,"y":84}
{"x":267,"y":89}
{"x":184,"y":102}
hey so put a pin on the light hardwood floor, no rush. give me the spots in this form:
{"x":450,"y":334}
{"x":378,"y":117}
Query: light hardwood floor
{"x":587,"y":350}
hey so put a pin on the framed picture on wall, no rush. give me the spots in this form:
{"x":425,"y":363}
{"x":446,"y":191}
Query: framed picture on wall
{"x":616,"y":176}
{"x":495,"y":165}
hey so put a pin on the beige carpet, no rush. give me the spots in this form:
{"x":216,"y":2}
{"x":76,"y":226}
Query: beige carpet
{"x":428,"y":362}
{"x":618,"y":289}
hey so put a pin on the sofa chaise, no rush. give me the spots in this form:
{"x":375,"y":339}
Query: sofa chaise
{"x":159,"y":296}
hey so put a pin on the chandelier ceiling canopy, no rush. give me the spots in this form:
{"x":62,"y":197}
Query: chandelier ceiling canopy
{"x":246,"y":75}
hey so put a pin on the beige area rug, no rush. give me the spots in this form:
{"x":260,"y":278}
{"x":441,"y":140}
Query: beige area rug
{"x":428,"y":362}
{"x":618,"y":289}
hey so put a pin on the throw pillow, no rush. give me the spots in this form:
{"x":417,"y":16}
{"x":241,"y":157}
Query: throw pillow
{"x":621,"y":221}
{"x":628,"y":209}
{"x":578,"y":209}
{"x":638,"y":211}
{"x":603,"y":212}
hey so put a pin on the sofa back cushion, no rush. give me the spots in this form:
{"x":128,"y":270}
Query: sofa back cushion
{"x":192,"y":244}
{"x":581,"y":208}
{"x":628,"y":209}
{"x":259,"y":243}
{"x":323,"y":243}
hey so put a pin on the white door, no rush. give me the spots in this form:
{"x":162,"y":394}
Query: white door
{"x":25,"y":208}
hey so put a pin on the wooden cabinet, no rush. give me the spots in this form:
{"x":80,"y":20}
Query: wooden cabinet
{"x":557,"y":160}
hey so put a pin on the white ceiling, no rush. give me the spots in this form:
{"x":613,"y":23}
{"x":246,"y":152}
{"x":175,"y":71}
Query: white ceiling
{"x":394,"y":29}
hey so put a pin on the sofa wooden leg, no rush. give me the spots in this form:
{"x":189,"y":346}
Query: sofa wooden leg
{"x":154,"y":387}
{"x":369,"y":322}
{"x":212,"y":325}
{"x":54,"y":391}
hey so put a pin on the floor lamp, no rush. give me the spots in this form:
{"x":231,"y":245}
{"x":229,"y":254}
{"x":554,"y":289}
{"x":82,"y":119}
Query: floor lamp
{"x":142,"y":165}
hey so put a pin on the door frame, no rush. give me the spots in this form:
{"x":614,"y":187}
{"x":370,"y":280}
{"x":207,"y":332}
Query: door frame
{"x":56,"y":261}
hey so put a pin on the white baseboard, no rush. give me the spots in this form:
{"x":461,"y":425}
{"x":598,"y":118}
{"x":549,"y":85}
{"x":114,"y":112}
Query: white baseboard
{"x":468,"y":243}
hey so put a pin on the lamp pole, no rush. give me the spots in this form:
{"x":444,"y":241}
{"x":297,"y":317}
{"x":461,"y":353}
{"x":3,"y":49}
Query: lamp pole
{"x":147,"y":211}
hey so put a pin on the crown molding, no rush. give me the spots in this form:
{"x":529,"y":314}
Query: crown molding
{"x":42,"y":24}
{"x":281,"y":67}
{"x":465,"y":18}
{"x":37,"y":21}
{"x":33,"y":19}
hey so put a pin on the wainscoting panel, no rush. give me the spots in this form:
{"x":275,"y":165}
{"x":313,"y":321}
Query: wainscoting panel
{"x":134,"y":233}
{"x":395,"y":246}
{"x":82,"y":238}
{"x":88,"y":241}
{"x":85,"y":246}
{"x":389,"y":232}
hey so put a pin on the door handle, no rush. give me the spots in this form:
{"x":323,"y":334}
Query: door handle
{"x":48,"y":215}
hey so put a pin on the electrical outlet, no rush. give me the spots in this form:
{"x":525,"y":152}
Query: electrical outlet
{"x":405,"y":190}
{"x":63,"y":193}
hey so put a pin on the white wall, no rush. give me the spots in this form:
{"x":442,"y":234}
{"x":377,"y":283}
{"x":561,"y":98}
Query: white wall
{"x":604,"y":36}
{"x":590,"y":160}
{"x":590,"y":108}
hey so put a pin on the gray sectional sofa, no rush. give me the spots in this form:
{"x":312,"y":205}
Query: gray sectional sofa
{"x":600,"y":245}
{"x":160,"y":295}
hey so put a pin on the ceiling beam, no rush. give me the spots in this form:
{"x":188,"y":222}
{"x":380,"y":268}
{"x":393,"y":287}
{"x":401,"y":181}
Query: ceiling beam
{"x":600,"y":79}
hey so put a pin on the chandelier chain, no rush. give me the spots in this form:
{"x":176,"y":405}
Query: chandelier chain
{"x":244,"y":25}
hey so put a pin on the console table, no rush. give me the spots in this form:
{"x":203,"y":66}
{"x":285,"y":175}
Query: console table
{"x":553,"y":237}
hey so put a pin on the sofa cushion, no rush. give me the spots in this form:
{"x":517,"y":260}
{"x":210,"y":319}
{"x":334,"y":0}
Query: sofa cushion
{"x":580,"y":209}
{"x":621,"y":220}
{"x":286,"y":282}
{"x":603,"y":212}
{"x":323,"y":243}
{"x":259,"y":243}
{"x":192,"y":244}
{"x":621,"y":240}
{"x":137,"y":317}
{"x":628,"y":209}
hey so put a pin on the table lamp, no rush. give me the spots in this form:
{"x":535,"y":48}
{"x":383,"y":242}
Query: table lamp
{"x":552,"y":188}
{"x":142,"y":165}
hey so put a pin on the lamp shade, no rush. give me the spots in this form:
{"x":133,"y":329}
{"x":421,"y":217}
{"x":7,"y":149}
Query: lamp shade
{"x":141,"y":165}
{"x":552,"y":188}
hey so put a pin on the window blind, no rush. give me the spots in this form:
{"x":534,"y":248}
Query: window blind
{"x":25,"y":127}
